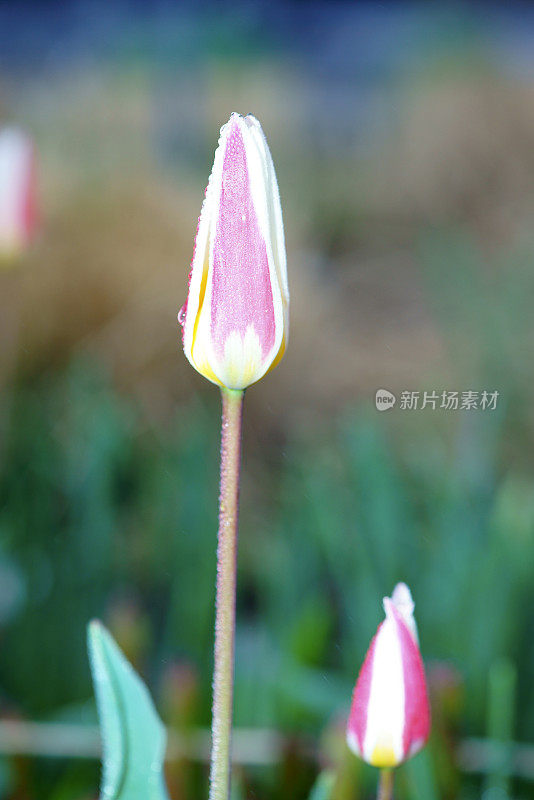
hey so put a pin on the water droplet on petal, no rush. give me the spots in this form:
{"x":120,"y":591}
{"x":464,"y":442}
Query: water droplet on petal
{"x":181,"y":314}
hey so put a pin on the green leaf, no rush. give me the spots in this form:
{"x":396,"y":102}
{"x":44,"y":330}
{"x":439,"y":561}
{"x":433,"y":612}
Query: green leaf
{"x":322,"y":788}
{"x":133,"y":736}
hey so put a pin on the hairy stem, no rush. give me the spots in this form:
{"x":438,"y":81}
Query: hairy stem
{"x":223,"y":677}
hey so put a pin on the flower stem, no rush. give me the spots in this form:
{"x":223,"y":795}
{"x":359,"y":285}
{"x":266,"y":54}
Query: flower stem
{"x":223,"y":676}
{"x":385,"y":784}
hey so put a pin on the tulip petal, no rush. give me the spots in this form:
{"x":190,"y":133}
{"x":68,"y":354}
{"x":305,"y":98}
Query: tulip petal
{"x":416,"y":708}
{"x":17,"y":192}
{"x":383,"y":742}
{"x":390,"y":718}
{"x":402,"y":599}
{"x":242,"y":297}
{"x":357,"y":724}
{"x":235,"y":319}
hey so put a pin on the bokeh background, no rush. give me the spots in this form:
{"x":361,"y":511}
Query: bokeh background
{"x":403,"y":137}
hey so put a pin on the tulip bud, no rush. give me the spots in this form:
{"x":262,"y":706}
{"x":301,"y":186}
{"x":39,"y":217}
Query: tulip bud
{"x":390,"y":716}
{"x":235,"y":320}
{"x":17,"y":192}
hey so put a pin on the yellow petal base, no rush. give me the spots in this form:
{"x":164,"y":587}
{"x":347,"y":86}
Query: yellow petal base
{"x":384,"y":756}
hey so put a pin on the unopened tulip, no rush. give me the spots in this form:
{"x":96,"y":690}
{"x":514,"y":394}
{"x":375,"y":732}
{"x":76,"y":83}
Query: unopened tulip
{"x":390,"y":717}
{"x":17,"y":193}
{"x":235,"y":320}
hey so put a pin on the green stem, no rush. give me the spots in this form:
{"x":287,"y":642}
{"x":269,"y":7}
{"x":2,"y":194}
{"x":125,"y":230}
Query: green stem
{"x":223,"y":676}
{"x":385,"y":784}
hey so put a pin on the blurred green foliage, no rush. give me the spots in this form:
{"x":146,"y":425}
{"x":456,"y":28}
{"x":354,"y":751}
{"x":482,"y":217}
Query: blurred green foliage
{"x":105,"y":515}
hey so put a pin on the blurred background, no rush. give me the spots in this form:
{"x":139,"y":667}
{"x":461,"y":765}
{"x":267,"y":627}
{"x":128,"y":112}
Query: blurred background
{"x":403,"y":138}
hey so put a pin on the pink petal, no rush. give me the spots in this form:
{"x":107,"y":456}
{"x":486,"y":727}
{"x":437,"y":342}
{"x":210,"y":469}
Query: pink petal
{"x":241,"y":284}
{"x":360,"y":699}
{"x":416,"y":708}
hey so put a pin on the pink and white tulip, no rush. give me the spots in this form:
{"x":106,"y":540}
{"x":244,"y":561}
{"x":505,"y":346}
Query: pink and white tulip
{"x":235,"y":320}
{"x":390,"y":715}
{"x":17,"y":192}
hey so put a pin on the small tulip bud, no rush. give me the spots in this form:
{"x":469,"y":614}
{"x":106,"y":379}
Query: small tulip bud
{"x":390,"y":716}
{"x":17,"y":193}
{"x":235,"y":320}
